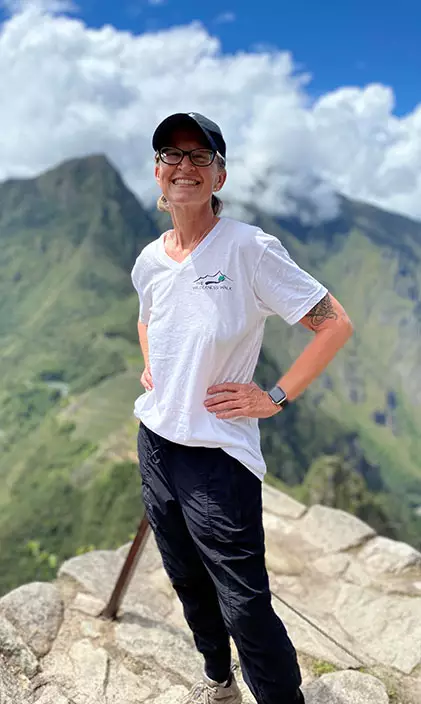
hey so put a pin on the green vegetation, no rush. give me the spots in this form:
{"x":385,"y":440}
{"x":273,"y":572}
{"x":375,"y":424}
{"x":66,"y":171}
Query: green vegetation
{"x":321,"y":667}
{"x":70,"y":366}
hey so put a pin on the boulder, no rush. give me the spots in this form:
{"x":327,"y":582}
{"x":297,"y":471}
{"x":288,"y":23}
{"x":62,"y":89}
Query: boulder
{"x":281,"y":504}
{"x":332,"y":530}
{"x":36,"y":610}
{"x":332,"y":565}
{"x":80,"y":673}
{"x":158,"y":647}
{"x":346,"y":687}
{"x":382,"y":556}
{"x":14,"y":689}
{"x":95,"y":571}
{"x":50,"y":695}
{"x":149,"y":593}
{"x":15,"y":649}
{"x":387,"y":626}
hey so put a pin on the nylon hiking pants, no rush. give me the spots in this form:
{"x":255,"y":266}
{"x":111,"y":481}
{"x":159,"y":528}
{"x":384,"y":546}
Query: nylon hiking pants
{"x":205,"y":509}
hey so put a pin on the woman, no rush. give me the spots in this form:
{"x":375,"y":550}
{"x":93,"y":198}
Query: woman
{"x":205,"y":289}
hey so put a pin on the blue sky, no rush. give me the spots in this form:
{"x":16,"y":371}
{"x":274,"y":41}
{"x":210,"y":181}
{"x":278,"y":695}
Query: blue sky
{"x":346,"y":43}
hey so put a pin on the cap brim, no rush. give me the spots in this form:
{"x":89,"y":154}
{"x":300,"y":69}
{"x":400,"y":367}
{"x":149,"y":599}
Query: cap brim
{"x":180,"y":119}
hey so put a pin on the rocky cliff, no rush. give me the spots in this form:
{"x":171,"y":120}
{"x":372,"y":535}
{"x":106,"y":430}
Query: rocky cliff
{"x":351,"y":601}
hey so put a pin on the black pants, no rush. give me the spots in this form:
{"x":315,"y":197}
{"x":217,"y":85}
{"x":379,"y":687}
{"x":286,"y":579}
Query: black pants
{"x":205,"y":509}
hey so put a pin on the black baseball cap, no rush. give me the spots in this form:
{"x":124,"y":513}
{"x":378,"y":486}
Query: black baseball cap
{"x":210,"y":130}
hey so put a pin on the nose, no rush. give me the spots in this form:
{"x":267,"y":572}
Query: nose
{"x":185,"y":164}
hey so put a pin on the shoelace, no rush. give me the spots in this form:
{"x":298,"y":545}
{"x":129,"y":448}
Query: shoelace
{"x":202,"y":689}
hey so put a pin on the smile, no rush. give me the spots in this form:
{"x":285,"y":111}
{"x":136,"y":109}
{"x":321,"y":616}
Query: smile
{"x":185,"y":182}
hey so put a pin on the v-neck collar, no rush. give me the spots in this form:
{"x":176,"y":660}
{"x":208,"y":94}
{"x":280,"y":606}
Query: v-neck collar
{"x":178,"y":266}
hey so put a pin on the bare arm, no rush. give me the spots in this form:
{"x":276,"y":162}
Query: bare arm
{"x":146,"y":378}
{"x":142,"y":329}
{"x":332,"y":328}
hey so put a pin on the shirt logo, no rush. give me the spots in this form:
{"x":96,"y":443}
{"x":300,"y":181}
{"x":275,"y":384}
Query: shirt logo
{"x":213,"y":281}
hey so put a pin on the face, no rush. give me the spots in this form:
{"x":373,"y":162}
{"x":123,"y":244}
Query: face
{"x":185,"y":183}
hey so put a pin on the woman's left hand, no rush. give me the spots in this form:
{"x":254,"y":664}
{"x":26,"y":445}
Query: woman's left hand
{"x":231,"y":400}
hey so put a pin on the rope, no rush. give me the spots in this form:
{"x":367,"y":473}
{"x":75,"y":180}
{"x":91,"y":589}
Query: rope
{"x":320,"y":630}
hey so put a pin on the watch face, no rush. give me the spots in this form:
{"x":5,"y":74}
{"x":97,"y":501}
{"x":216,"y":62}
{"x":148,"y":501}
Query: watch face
{"x":278,"y":395}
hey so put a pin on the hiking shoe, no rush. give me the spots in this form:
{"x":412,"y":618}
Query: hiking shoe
{"x":209,"y":692}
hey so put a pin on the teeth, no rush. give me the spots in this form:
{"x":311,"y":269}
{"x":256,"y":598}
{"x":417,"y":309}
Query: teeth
{"x":185,"y":181}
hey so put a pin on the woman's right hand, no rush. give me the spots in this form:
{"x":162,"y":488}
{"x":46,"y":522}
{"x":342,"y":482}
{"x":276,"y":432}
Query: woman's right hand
{"x":146,"y":379}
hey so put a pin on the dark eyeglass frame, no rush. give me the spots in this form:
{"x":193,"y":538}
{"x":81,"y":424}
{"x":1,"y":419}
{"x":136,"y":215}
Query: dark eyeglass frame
{"x":190,"y":154}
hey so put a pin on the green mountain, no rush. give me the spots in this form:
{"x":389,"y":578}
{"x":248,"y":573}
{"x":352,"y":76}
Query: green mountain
{"x":70,"y":365}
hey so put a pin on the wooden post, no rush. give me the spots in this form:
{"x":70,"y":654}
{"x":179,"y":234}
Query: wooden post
{"x":123,"y":581}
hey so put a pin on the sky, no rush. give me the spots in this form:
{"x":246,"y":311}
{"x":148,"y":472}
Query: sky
{"x":313,"y":98}
{"x":345,"y":43}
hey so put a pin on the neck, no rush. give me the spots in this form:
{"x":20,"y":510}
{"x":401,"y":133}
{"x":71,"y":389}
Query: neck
{"x":191,"y":223}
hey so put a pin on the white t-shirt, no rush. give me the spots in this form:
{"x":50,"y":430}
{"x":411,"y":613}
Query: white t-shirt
{"x":205,"y":320}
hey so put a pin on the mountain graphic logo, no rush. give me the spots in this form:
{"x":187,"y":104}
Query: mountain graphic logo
{"x":213,"y":279}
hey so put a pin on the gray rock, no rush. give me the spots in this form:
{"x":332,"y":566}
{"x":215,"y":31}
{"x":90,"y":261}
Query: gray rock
{"x":126,"y":687}
{"x":276,"y":524}
{"x":159,"y":647}
{"x":36,"y":610}
{"x":14,"y":689}
{"x":360,"y":574}
{"x":387,"y":626}
{"x":333,"y":565}
{"x":80,"y":672}
{"x":281,"y":504}
{"x":173,"y":696}
{"x":150,"y":559}
{"x":286,"y":551}
{"x":281,"y":556}
{"x":95,"y":571}
{"x":410,"y":690}
{"x":346,"y":687}
{"x":91,"y":629}
{"x":332,"y":530}
{"x":150,"y":592}
{"x":384,"y":556}
{"x":87,"y":604}
{"x":308,"y":639}
{"x":15,"y":649}
{"x":50,"y":695}
{"x":150,"y":595}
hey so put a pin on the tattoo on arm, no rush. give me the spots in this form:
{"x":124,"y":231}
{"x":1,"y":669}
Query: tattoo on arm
{"x":322,"y":311}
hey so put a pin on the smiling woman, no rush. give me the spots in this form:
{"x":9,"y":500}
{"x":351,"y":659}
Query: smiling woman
{"x":198,"y":157}
{"x":205,"y":290}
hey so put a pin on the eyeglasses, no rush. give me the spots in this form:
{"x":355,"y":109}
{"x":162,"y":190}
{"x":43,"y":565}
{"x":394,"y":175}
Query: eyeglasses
{"x":198,"y":157}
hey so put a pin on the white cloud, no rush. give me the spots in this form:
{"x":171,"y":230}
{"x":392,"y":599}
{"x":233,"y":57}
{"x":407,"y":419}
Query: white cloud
{"x":53,"y":7}
{"x":225,"y":18}
{"x":69,"y":90}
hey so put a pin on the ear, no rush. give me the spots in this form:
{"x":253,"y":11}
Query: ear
{"x":220,"y":180}
{"x":157,"y":174}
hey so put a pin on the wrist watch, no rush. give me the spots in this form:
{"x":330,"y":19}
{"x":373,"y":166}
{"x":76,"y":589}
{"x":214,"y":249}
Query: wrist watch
{"x":278,"y":396}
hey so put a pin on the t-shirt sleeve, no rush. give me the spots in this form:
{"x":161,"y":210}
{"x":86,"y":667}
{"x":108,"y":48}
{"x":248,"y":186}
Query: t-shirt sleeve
{"x":144,"y":290}
{"x":281,"y":287}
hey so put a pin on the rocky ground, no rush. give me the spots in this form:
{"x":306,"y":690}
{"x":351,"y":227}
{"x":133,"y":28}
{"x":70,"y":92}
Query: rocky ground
{"x":351,"y":601}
